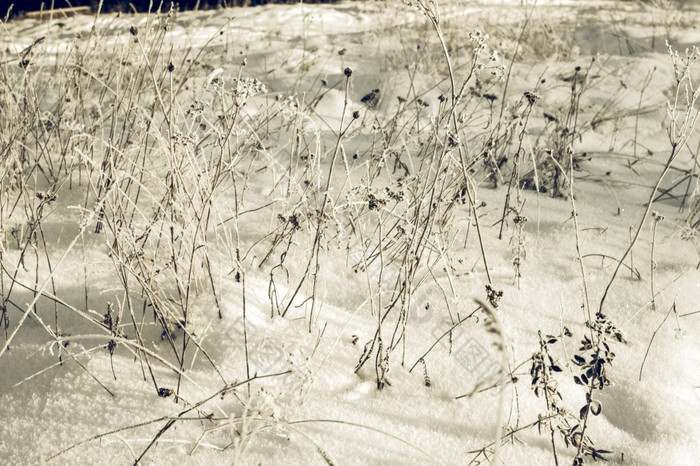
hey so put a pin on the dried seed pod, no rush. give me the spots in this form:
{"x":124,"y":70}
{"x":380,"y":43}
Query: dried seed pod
{"x":371,"y":99}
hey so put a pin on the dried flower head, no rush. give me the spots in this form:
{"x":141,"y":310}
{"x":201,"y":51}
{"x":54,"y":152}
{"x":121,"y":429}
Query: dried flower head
{"x":371,"y":99}
{"x":532,"y":97}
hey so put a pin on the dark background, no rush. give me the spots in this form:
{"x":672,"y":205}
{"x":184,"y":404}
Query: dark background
{"x":21,"y":6}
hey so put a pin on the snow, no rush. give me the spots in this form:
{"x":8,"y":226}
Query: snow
{"x":318,"y":409}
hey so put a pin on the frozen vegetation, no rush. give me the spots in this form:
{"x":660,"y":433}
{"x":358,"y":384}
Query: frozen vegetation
{"x":352,"y":233}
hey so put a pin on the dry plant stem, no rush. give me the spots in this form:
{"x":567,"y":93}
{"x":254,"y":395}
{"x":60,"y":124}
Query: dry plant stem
{"x":678,"y":136}
{"x":652,"y":266}
{"x":543,"y":381}
{"x":58,"y":340}
{"x":515,"y":175}
{"x":196,"y":60}
{"x":510,"y":434}
{"x":46,"y":294}
{"x":434,"y":17}
{"x":574,"y":214}
{"x":496,"y":328}
{"x":93,"y":376}
{"x":292,"y":425}
{"x":177,"y":417}
{"x":57,"y":364}
{"x":34,"y":224}
{"x":131,"y":343}
{"x":43,"y":286}
{"x":692,"y":176}
{"x":53,"y":284}
{"x":456,"y":324}
{"x":658,"y":293}
{"x":268,"y":423}
{"x":631,"y":267}
{"x":151,"y":293}
{"x":635,"y":273}
{"x":372,"y":429}
{"x":646,"y":83}
{"x":552,"y":439}
{"x":497,"y":384}
{"x":653,"y":335}
{"x":205,"y":207}
{"x":528,"y":16}
{"x":139,"y":337}
{"x":674,"y":152}
{"x":378,"y":366}
{"x":321,"y":216}
{"x":589,"y":398}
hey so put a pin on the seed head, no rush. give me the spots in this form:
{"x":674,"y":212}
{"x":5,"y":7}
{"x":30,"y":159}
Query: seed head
{"x":371,"y":99}
{"x":532,"y":97}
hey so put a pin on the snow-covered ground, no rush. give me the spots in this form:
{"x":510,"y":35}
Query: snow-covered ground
{"x":130,"y":121}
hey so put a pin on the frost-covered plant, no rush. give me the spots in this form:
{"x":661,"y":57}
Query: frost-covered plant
{"x":425,"y":204}
{"x":683,"y":115}
{"x":562,"y":129}
{"x":544,"y":383}
{"x":592,"y":359}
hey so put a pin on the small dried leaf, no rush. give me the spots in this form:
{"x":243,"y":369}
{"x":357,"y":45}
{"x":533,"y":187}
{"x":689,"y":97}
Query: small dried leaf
{"x":598,"y":454}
